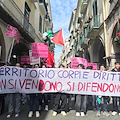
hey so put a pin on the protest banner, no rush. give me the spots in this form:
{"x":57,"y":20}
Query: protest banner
{"x":25,"y":59}
{"x":75,"y":61}
{"x":33,"y":60}
{"x":93,"y":64}
{"x":71,"y":81}
{"x":13,"y":32}
{"x":39,"y":50}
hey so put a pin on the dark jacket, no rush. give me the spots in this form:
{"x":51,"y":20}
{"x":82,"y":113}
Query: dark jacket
{"x":115,"y":70}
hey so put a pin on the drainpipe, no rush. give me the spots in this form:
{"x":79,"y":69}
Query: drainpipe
{"x":105,"y":31}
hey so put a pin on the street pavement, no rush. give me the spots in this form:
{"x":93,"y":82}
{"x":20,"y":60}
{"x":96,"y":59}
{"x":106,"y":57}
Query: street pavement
{"x":91,"y":115}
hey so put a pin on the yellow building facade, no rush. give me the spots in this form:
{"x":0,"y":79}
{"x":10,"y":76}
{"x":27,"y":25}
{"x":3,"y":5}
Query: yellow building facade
{"x":31,"y":17}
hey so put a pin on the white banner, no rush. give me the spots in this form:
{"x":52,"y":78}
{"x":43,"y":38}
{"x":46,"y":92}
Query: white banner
{"x":71,"y":81}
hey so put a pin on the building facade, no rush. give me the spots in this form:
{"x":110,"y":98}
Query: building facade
{"x":96,"y":25}
{"x":31,"y":17}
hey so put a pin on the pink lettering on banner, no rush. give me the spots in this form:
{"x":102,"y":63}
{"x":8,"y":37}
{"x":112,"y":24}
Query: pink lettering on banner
{"x":75,"y":61}
{"x":39,"y":50}
{"x":13,"y":32}
{"x":93,"y":64}
{"x":25,"y":59}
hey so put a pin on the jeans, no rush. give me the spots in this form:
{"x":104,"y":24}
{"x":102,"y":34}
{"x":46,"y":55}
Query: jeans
{"x":91,"y":101}
{"x":105,"y":102}
{"x":34,"y":99}
{"x":81,"y":101}
{"x":24,"y":97}
{"x":116,"y":107}
{"x":63,"y":98}
{"x":2,"y":103}
{"x":45,"y":97}
{"x":11,"y":98}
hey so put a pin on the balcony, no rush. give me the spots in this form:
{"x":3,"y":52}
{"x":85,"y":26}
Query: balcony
{"x":83,"y":6}
{"x":11,"y":14}
{"x":47,"y":19}
{"x":93,"y":30}
{"x":43,"y":6}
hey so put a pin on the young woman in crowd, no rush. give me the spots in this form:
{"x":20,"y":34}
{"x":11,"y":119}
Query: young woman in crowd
{"x":34,"y":99}
{"x":106,"y":100}
{"x":60,"y":101}
{"x":81,"y":100}
{"x":16,"y":97}
{"x":116,"y":106}
{"x":44,"y":96}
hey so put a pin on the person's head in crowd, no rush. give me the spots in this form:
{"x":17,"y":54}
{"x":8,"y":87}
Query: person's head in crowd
{"x":17,"y":64}
{"x":61,"y":66}
{"x":25,"y":65}
{"x":36,"y":66}
{"x":3,"y":64}
{"x":89,"y":67}
{"x":81,"y":66}
{"x":68,"y":66}
{"x":102,"y":68}
{"x":44,"y":66}
{"x":117,"y":65}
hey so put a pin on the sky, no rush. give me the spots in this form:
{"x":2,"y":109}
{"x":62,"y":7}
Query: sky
{"x":61,"y":14}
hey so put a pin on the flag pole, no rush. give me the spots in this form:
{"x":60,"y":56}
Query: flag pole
{"x":10,"y":51}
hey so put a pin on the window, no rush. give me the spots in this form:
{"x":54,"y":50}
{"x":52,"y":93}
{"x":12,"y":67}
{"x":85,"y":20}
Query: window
{"x":26,"y":15}
{"x":95,"y":8}
{"x":40,"y":24}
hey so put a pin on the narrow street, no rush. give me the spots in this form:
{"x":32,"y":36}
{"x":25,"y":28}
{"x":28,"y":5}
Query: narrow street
{"x":48,"y":115}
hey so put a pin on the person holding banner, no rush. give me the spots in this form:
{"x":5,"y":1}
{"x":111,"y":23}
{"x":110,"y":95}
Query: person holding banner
{"x":44,"y":96}
{"x":34,"y":99}
{"x":91,"y":99}
{"x":106,"y":100}
{"x":116,"y":107}
{"x":2,"y":98}
{"x":16,"y":97}
{"x":81,"y":100}
{"x":60,"y":97}
{"x":24,"y":96}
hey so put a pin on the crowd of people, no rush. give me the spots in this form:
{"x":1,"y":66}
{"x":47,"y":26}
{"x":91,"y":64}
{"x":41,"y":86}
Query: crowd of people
{"x":62,"y":102}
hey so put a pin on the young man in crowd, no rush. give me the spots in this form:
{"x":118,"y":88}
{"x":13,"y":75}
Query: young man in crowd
{"x":105,"y":100}
{"x":34,"y":100}
{"x":24,"y":96}
{"x":2,"y":97}
{"x":116,"y":106}
{"x":81,"y":100}
{"x":60,"y":97}
{"x":91,"y":99}
{"x":11,"y":98}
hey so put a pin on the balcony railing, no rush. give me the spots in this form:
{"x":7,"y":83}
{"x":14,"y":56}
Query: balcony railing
{"x":82,"y":39}
{"x":44,"y":3}
{"x":96,"y":21}
{"x":94,"y":27}
{"x":84,"y":6}
{"x":13,"y":10}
